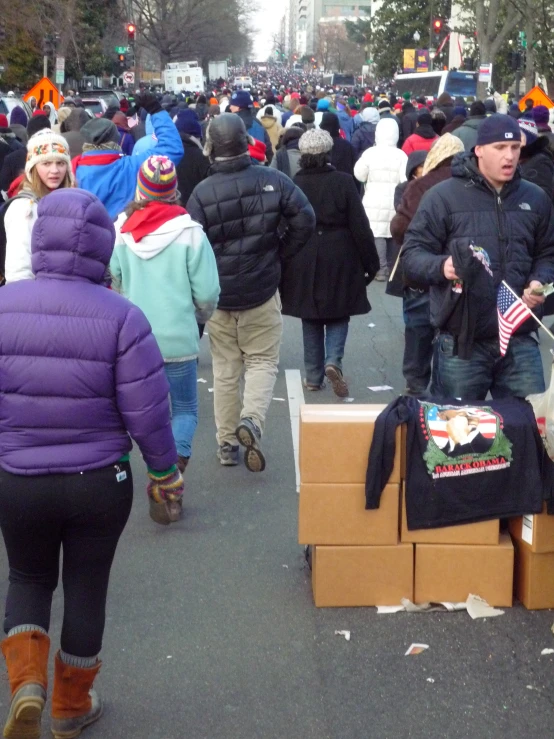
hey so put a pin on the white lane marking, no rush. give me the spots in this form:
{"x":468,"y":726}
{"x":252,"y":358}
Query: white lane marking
{"x":295,"y":395}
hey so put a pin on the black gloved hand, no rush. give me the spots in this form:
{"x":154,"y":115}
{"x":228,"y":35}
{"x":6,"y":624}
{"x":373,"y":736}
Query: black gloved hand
{"x":149,"y":102}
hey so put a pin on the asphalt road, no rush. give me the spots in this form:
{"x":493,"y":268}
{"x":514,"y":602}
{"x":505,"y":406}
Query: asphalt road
{"x":212,"y":632}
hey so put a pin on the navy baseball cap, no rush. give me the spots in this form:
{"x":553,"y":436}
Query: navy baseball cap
{"x":498,"y":128}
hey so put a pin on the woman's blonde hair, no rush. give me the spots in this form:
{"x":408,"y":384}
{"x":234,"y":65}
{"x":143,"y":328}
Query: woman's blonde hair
{"x":33,"y":183}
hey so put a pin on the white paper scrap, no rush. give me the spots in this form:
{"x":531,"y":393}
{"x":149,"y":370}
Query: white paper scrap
{"x":210,"y":389}
{"x":479,"y":608}
{"x":348,"y":400}
{"x":416,"y":649}
{"x":201,"y":379}
{"x":281,"y":399}
{"x":346,"y":634}
{"x":389,"y":609}
{"x":371,"y":325}
{"x":430,"y":679}
{"x":379,"y":388}
{"x":547,"y":651}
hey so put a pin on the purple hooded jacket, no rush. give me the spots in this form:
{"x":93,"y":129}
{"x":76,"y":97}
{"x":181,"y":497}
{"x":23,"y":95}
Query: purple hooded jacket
{"x":79,"y":367}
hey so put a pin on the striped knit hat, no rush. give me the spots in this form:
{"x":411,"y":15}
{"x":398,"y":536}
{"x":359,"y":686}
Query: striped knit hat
{"x":157,"y":180}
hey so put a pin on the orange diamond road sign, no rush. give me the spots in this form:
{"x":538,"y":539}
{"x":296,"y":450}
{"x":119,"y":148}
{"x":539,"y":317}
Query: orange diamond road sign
{"x":45,"y":92}
{"x":538,"y":96}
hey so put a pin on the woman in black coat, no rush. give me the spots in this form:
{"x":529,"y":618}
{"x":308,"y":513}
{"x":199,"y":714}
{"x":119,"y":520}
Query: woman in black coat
{"x":325,"y":283}
{"x":536,"y":161}
{"x":342,"y":153}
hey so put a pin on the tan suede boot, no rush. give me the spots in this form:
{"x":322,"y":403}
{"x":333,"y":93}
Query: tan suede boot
{"x":74,"y":703}
{"x":26,"y":656}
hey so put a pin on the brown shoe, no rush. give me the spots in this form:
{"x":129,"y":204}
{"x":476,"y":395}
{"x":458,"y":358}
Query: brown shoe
{"x":182,"y":463}
{"x":338,"y":383}
{"x":26,"y":656}
{"x":74,"y":703}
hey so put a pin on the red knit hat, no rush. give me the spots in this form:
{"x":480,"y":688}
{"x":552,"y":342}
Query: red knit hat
{"x":3,"y":121}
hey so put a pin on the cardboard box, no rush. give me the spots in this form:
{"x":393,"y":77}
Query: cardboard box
{"x":484,"y":532}
{"x":335,"y":442}
{"x":534,"y":577}
{"x":537,"y":530}
{"x":335,"y":514}
{"x":362,"y":576}
{"x":450,"y":572}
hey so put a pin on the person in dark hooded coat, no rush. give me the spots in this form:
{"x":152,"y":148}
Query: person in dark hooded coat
{"x":194,"y":166}
{"x":342,"y":153}
{"x":535,"y":160}
{"x":446,"y":104}
{"x":71,"y":130}
{"x":325,"y":283}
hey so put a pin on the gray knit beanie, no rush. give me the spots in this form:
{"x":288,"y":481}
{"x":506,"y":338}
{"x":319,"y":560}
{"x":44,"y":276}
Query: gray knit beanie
{"x":100,"y":131}
{"x":315,"y":141}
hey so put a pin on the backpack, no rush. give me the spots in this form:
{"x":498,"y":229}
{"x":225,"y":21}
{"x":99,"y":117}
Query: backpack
{"x":3,"y":238}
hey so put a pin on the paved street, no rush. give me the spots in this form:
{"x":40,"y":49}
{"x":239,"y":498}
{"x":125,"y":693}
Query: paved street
{"x":212,"y":633}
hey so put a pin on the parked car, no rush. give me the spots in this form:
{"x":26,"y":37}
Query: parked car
{"x":111,"y":97}
{"x":7,"y":104}
{"x":95,"y":106}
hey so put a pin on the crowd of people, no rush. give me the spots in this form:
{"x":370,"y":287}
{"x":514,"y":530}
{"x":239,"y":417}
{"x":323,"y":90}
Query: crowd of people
{"x":123,"y":236}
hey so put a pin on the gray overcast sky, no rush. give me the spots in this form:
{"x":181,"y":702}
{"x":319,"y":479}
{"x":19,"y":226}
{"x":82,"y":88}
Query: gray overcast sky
{"x":266,"y":22}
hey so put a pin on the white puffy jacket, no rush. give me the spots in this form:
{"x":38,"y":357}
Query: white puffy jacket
{"x":381,"y":168}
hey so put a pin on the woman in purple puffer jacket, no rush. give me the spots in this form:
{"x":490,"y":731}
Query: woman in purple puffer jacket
{"x":80,"y":374}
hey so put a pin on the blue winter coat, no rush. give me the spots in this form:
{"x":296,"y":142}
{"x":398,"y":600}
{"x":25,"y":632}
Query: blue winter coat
{"x":115,"y":184}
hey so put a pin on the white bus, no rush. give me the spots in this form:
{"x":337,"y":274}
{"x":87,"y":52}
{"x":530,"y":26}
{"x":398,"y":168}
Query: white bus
{"x":433,"y":84}
{"x":244,"y":83}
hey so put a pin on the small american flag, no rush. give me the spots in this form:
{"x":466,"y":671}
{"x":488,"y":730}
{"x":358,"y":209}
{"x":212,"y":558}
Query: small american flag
{"x":512,"y":312}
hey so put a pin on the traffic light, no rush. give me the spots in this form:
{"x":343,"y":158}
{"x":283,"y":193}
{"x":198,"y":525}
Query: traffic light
{"x":121,"y":58}
{"x":437,"y":27}
{"x":131,"y":30}
{"x":2,"y":33}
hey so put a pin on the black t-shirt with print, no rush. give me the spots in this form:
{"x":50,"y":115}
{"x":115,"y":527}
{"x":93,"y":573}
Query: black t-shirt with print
{"x":464,"y":463}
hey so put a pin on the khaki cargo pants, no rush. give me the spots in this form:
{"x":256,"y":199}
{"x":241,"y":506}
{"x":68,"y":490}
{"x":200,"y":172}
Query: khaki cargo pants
{"x":244,"y":342}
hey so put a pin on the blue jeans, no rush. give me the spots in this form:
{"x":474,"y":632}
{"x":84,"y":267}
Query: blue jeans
{"x":517,"y":374}
{"x":184,"y":403}
{"x":323,"y":344}
{"x":418,"y":340}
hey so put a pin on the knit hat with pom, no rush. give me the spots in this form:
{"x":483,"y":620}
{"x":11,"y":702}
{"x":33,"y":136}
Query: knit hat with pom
{"x":315,"y":141}
{"x":157,"y":180}
{"x":47,"y":146}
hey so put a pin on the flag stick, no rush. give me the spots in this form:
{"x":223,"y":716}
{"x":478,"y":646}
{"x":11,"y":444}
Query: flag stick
{"x":529,"y":311}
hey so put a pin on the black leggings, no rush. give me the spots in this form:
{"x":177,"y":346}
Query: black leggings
{"x":86,"y":514}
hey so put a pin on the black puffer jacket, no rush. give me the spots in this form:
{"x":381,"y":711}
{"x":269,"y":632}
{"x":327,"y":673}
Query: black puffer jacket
{"x":516,"y":228}
{"x":241,"y":207}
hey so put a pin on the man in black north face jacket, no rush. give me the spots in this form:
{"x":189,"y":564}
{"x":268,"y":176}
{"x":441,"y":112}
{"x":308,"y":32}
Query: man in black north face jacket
{"x":509,"y":224}
{"x":254,"y":217}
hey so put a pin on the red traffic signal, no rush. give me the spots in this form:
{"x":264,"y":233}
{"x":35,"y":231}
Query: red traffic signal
{"x":437,"y":25}
{"x":131,"y":29}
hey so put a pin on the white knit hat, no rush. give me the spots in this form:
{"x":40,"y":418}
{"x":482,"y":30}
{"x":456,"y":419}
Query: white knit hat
{"x":46,"y":146}
{"x":315,"y":141}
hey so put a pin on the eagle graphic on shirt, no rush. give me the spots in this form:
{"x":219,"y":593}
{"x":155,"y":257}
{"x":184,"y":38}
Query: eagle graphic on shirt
{"x":463,"y":440}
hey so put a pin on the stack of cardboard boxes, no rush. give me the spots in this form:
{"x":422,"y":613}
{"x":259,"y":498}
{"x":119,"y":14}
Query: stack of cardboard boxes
{"x":365,"y":558}
{"x":534,"y":572}
{"x":357,"y":559}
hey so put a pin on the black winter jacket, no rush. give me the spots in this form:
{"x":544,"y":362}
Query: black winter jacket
{"x":516,"y":228}
{"x":192,"y":169}
{"x":241,"y":207}
{"x":326,"y":279}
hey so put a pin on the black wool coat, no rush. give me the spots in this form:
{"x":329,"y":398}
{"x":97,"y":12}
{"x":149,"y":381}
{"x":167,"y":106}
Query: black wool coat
{"x":192,"y":169}
{"x":327,"y":279}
